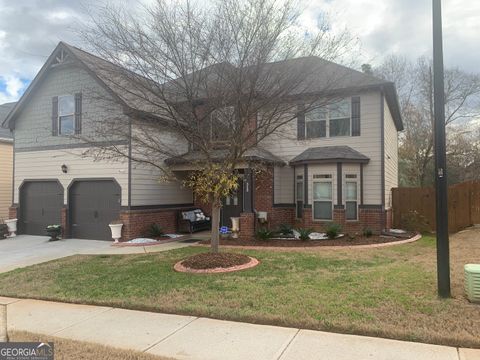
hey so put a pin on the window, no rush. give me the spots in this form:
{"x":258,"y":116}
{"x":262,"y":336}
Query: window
{"x":322,"y":197}
{"x":220,"y":120}
{"x":66,"y":115}
{"x":332,"y":120}
{"x":351,"y":196}
{"x":299,"y":195}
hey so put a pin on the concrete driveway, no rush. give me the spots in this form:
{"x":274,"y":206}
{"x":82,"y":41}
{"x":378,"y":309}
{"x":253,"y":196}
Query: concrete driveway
{"x":26,"y":250}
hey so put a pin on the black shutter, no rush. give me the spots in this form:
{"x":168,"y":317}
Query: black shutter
{"x":301,"y":122}
{"x":55,"y":116}
{"x":78,"y":113}
{"x":356,"y":116}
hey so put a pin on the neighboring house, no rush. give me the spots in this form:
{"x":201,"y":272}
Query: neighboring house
{"x":337,"y":165}
{"x":6,"y":163}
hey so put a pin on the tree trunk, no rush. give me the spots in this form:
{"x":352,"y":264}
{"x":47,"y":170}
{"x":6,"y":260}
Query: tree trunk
{"x":215,"y":240}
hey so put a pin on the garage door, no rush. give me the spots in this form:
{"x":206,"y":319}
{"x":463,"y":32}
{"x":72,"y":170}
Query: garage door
{"x":41,"y":205}
{"x":93,"y":205}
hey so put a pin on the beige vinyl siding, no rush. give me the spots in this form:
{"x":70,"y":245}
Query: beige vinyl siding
{"x":285,"y":145}
{"x":148,"y":182}
{"x":6,"y":168}
{"x":47,"y":165}
{"x":148,"y":188}
{"x":391,"y":156}
{"x":33,"y":126}
{"x":283,"y":185}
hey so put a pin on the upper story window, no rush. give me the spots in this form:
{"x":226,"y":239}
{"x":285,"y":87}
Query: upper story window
{"x":220,"y":120}
{"x":66,"y":115}
{"x":329,"y":121}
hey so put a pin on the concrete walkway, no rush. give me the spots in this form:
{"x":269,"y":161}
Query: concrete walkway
{"x":188,"y":337}
{"x":26,"y":250}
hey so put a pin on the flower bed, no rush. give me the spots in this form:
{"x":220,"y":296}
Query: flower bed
{"x":344,"y":241}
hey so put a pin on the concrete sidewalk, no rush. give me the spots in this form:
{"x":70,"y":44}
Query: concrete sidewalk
{"x":188,"y":337}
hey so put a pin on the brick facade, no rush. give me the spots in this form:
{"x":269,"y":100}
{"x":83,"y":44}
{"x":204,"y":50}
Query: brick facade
{"x":247,"y":226}
{"x":367,"y":219}
{"x":64,"y":222}
{"x":136,"y":222}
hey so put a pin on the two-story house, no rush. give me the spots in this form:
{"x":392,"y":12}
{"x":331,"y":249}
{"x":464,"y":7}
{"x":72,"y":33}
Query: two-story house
{"x":338,"y":164}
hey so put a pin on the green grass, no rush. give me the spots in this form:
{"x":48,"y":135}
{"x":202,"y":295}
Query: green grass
{"x":390,"y":292}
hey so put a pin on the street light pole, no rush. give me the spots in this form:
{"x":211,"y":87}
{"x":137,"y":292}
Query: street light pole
{"x":441,"y":188}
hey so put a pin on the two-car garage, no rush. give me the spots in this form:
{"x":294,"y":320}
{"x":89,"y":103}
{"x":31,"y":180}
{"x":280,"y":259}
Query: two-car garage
{"x":92,"y":205}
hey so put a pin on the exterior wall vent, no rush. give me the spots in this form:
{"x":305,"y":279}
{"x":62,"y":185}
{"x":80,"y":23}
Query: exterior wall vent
{"x":472,"y":282}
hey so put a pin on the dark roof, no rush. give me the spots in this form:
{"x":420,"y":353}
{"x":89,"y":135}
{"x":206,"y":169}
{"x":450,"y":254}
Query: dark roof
{"x":323,"y":76}
{"x":255,"y":154}
{"x":329,"y":154}
{"x":4,"y":110}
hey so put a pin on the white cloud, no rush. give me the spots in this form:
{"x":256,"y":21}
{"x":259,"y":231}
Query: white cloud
{"x":30,"y":29}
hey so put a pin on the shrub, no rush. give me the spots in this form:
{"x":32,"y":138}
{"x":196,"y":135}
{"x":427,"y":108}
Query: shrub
{"x":154,"y":231}
{"x":264,"y":234}
{"x":414,"y":221}
{"x":285,"y":229}
{"x":367,"y":232}
{"x":333,"y":230}
{"x":304,"y":234}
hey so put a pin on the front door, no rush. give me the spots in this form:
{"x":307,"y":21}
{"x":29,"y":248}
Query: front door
{"x":232,"y":205}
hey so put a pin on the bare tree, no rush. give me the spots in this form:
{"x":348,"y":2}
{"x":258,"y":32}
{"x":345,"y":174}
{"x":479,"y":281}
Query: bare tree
{"x":209,"y":84}
{"x":414,"y":83}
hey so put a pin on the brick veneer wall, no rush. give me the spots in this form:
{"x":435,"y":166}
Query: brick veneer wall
{"x":367,"y":218}
{"x":247,"y":226}
{"x":136,"y":222}
{"x":64,"y":222}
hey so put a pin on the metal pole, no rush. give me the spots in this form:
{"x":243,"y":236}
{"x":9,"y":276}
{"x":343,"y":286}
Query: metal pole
{"x":441,"y":188}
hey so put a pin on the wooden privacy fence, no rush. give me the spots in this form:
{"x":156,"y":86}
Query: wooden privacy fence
{"x":463,"y":205}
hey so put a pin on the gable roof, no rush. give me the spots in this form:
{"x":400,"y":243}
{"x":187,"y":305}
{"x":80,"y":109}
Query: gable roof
{"x":116,"y":79}
{"x":329,"y":154}
{"x":4,"y":110}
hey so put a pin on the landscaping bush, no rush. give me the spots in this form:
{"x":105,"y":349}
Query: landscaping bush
{"x":367,"y":232}
{"x":333,"y":230}
{"x":154,"y":231}
{"x":304,"y":234}
{"x":413,"y":221}
{"x":264,"y":234}
{"x":285,"y":229}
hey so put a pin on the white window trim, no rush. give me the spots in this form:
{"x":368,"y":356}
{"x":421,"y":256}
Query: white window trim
{"x":327,"y":121}
{"x":332,"y":200}
{"x":344,"y":192}
{"x":59,"y":127}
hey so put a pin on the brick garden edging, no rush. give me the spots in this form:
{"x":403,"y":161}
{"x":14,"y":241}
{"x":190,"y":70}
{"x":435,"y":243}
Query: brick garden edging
{"x":337,"y":247}
{"x":180,"y":268}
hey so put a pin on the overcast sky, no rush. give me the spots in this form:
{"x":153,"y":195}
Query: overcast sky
{"x":30,"y":29}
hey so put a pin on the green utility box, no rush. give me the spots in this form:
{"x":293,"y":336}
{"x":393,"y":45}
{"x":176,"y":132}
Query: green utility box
{"x":472,"y":282}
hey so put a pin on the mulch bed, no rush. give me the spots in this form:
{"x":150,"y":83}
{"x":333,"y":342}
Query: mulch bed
{"x":212,"y":261}
{"x":344,"y":241}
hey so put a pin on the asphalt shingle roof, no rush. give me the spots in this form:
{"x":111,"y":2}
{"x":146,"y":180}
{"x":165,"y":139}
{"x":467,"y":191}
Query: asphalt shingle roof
{"x":256,"y":154}
{"x":329,"y":154}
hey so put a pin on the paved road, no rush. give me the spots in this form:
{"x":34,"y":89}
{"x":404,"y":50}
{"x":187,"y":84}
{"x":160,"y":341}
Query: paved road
{"x":25,"y":250}
{"x":193,"y":338}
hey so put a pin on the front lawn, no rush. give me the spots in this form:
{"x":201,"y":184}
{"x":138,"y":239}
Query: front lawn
{"x":388,"y":292}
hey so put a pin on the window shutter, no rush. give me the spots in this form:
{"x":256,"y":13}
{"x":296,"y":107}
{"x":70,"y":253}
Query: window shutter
{"x":300,"y":122}
{"x":78,"y":113}
{"x":356,"y":116}
{"x":55,"y":116}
